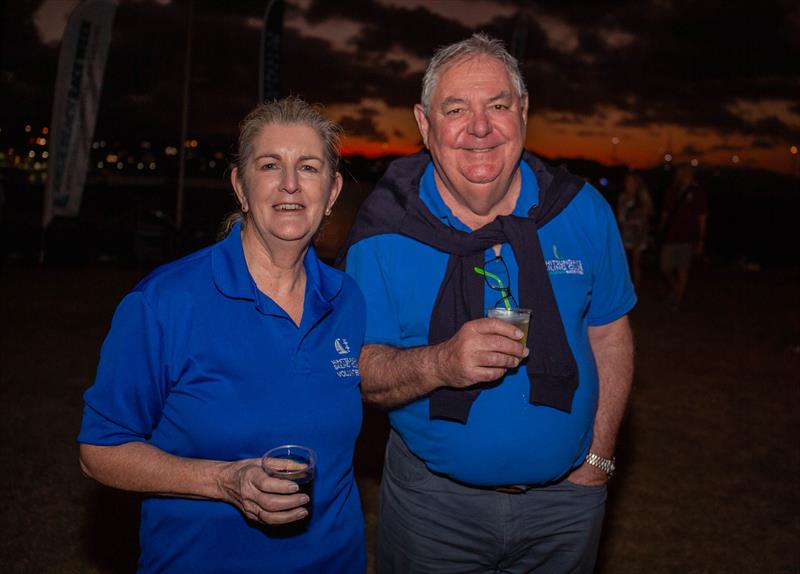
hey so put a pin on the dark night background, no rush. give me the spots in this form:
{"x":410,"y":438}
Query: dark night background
{"x":709,"y":455}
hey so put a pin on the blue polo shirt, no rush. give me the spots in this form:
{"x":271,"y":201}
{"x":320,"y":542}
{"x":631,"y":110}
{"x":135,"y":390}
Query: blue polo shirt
{"x":506,"y":440}
{"x":201,"y":364}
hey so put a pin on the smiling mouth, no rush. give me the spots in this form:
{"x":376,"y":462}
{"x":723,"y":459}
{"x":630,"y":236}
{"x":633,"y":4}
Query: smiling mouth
{"x":288,"y":207}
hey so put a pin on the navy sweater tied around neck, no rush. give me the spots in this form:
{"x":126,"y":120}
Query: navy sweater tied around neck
{"x":396,"y":207}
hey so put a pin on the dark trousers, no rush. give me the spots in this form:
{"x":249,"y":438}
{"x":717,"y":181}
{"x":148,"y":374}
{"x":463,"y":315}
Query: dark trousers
{"x":430,"y":524}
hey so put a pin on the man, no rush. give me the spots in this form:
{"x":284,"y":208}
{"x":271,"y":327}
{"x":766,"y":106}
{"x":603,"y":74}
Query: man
{"x":683,"y":224}
{"x":486,"y":467}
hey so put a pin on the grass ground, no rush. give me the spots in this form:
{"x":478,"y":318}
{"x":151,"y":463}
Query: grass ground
{"x":709,"y":457}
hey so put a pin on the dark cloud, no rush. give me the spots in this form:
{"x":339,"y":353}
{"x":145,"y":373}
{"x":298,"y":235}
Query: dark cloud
{"x":363,"y":125}
{"x":667,"y":62}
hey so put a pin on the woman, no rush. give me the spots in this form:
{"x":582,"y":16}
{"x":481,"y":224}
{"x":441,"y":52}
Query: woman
{"x":243,"y":346}
{"x":634,"y":209}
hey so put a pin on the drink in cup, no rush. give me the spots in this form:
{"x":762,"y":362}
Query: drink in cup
{"x":520,"y":318}
{"x":295,"y":463}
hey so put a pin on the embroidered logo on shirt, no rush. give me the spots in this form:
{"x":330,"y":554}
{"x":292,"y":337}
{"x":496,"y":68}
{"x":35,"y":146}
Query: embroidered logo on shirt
{"x":346,"y":367}
{"x":561,"y":266}
{"x":341,"y":346}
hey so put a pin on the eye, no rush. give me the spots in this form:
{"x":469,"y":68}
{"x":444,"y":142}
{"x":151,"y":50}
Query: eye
{"x":500,"y":107}
{"x":454,"y":111}
{"x":270,"y":165}
{"x":309,"y":168}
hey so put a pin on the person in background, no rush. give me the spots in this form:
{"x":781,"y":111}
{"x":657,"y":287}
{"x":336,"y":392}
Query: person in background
{"x":683,"y":230}
{"x":634,"y":209}
{"x":213,"y":359}
{"x":499,"y":451}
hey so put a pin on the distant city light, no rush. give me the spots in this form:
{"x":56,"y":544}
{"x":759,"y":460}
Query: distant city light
{"x":212,"y":163}
{"x":615,"y":140}
{"x":45,"y":130}
{"x":120,"y":165}
{"x":694,"y":162}
{"x":102,"y":143}
{"x":95,"y":145}
{"x":41,"y":141}
{"x":667,"y":157}
{"x":31,"y":154}
{"x":793,"y":150}
{"x":603,"y":181}
{"x":28,"y":129}
{"x":145,"y":145}
{"x":170,"y":150}
{"x":111,"y":158}
{"x":45,"y":154}
{"x":100,"y":165}
{"x":735,"y":159}
{"x":152,"y":165}
{"x":140,"y":166}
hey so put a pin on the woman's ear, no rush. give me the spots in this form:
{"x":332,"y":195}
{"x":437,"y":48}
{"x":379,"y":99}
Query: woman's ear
{"x":238,"y":189}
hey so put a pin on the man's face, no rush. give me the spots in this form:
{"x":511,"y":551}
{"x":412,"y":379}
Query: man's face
{"x":475,"y":131}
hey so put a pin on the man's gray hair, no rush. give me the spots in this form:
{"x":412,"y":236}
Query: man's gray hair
{"x":479,"y":44}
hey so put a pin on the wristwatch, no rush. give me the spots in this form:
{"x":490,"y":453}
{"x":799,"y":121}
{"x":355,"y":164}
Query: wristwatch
{"x":604,"y":464}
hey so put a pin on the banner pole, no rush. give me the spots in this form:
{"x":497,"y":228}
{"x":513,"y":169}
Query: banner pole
{"x":184,"y":120}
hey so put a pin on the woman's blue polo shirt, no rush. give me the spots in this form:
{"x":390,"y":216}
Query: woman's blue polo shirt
{"x":201,"y":364}
{"x":506,"y":440}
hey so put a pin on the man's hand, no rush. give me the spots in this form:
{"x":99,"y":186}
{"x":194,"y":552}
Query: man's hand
{"x":481,"y":351}
{"x":588,"y":475}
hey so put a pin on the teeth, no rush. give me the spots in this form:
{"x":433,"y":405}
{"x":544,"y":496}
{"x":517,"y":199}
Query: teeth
{"x":289,"y":207}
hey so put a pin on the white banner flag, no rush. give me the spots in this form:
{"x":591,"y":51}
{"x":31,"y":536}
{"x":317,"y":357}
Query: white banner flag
{"x":76,"y":98}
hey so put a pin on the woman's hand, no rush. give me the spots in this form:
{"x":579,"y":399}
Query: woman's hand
{"x":260,"y":497}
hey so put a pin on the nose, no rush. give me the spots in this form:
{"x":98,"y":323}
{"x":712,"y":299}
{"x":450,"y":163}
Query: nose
{"x":289,"y":182}
{"x":480,"y":125}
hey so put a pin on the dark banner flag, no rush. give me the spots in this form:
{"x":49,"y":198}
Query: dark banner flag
{"x":269,"y":75}
{"x":81,"y":64}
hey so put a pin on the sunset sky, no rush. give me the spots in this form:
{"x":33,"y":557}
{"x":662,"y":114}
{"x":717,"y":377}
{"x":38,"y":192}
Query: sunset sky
{"x":609,"y":81}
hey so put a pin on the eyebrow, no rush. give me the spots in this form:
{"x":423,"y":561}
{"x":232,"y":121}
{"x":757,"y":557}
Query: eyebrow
{"x":504,"y":95}
{"x":278,"y":157}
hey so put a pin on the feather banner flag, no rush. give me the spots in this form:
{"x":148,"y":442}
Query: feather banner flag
{"x":81,"y":64}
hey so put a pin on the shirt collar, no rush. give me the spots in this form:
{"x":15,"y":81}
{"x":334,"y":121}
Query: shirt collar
{"x":528,"y":196}
{"x":233,"y":279}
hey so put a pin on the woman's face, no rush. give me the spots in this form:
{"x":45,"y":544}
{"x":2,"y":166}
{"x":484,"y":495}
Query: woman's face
{"x":285,"y":185}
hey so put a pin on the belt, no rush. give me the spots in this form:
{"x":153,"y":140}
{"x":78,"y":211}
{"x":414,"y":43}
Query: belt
{"x":513,"y":489}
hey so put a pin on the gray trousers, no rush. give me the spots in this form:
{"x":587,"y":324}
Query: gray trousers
{"x":429,"y":524}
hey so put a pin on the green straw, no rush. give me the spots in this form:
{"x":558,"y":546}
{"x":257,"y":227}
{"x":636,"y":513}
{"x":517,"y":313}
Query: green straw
{"x":485,"y":273}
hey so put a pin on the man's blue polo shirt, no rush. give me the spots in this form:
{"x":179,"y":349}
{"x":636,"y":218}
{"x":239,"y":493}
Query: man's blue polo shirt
{"x":201,"y":364}
{"x":506,"y":439}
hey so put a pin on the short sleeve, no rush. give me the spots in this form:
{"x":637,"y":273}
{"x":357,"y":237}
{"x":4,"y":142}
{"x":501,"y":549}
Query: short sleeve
{"x":126,"y":401}
{"x":364,"y":264}
{"x":612,"y":290}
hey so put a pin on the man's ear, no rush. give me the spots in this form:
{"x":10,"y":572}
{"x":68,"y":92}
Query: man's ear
{"x":523,"y":103}
{"x":422,"y":123}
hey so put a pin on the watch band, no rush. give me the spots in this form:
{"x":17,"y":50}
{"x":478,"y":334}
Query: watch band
{"x":604,"y":464}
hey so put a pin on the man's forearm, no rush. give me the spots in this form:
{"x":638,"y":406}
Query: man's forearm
{"x":391,"y":377}
{"x":612,"y":346}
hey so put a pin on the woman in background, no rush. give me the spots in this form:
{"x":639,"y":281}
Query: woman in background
{"x":634,"y":210}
